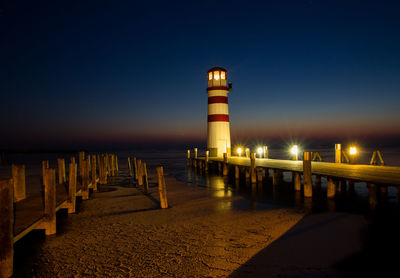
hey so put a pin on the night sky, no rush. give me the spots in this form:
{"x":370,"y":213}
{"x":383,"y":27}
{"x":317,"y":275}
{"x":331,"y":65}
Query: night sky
{"x":93,"y":72}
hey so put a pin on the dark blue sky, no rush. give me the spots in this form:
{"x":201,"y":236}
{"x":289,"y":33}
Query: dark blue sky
{"x":127,"y":71}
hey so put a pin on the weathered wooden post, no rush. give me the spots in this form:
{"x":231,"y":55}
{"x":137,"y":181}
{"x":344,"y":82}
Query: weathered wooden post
{"x":162,"y":187}
{"x":61,"y":170}
{"x":307,"y":174}
{"x":253,"y":168}
{"x":276,"y":176}
{"x":338,"y":153}
{"x":6,"y":227}
{"x":188,"y":158}
{"x":135,"y":168}
{"x":146,"y":180}
{"x":237,"y":174}
{"x":49,"y":221}
{"x":247,"y":173}
{"x":81,"y":158}
{"x":72,"y":159}
{"x":116,"y":165}
{"x":206,"y":161}
{"x":225,"y":165}
{"x":85,"y":180}
{"x":195,"y":158}
{"x":18,"y":175}
{"x":94,"y":174}
{"x":129,"y":166}
{"x":259,"y":174}
{"x":112,"y":164}
{"x":45,"y":166}
{"x":73,"y":170}
{"x":140,"y":172}
{"x":372,"y":194}
{"x":102,"y":173}
{"x":331,"y":188}
{"x":297,"y":181}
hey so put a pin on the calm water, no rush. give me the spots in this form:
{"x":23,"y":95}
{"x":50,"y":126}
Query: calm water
{"x":174,"y":161}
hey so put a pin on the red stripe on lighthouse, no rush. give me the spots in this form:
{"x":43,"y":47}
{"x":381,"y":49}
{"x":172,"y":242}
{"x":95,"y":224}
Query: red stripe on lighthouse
{"x":218,"y":118}
{"x":218,"y":99}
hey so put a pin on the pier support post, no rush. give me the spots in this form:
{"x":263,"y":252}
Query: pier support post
{"x":94,"y":174}
{"x":129,"y":166}
{"x":61,"y":170}
{"x":45,"y":166}
{"x":6,"y":227}
{"x":253,"y":168}
{"x":195,"y":158}
{"x":146,"y":180}
{"x":162,"y":188}
{"x":188,"y":158}
{"x":81,"y":158}
{"x":259,"y":172}
{"x":116,"y":165}
{"x":331,"y":188}
{"x":276,"y":176}
{"x":49,"y":221}
{"x":225,"y":165}
{"x":237,"y":175}
{"x":72,"y":187}
{"x":338,"y":153}
{"x":18,"y":175}
{"x":85,"y":179}
{"x":247,"y":173}
{"x":140,"y":172}
{"x":307,"y":174}
{"x":72,"y":159}
{"x":206,"y":161}
{"x":135,"y":168}
{"x":297,"y":181}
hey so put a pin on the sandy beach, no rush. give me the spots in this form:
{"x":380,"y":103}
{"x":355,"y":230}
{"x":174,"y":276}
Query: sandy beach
{"x":123,"y":233}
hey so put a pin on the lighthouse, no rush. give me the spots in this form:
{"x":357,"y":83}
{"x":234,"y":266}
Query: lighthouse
{"x":218,"y":132}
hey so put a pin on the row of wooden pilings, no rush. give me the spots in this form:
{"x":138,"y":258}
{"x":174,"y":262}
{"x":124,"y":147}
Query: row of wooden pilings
{"x":13,"y":190}
{"x":255,"y":174}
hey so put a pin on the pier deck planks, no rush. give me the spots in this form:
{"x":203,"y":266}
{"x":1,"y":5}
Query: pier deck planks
{"x":367,"y":173}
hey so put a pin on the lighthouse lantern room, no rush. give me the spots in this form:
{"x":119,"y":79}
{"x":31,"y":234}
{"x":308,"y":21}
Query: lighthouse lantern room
{"x":218,"y":132}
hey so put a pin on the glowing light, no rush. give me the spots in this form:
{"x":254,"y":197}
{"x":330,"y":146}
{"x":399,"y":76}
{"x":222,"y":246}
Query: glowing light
{"x":216,"y":75}
{"x":259,"y":150}
{"x":353,"y":150}
{"x":210,"y":76}
{"x":239,"y":151}
{"x":222,"y":75}
{"x":294,"y":150}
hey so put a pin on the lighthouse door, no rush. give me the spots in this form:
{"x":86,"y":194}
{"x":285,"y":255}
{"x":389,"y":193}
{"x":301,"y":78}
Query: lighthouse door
{"x":221,"y":147}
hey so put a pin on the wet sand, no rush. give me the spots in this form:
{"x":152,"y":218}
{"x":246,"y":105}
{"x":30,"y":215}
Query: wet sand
{"x":123,"y":233}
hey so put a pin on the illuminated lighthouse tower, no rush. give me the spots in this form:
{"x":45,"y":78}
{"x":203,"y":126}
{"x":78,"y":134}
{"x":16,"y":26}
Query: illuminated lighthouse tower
{"x":218,"y":133}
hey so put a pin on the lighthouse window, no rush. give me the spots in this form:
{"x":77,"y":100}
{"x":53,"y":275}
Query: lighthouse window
{"x":209,"y":75}
{"x":216,"y":75}
{"x":222,"y":75}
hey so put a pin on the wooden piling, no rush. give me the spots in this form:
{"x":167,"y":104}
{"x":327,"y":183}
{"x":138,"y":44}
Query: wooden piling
{"x":45,"y":166}
{"x":253,"y":168}
{"x":85,"y":180}
{"x":146,"y":180}
{"x":331,"y":188}
{"x":140,"y":173}
{"x":116,"y":165}
{"x":206,"y":161}
{"x":307,"y":174}
{"x":188,"y":157}
{"x":297,"y":181}
{"x":259,"y":172}
{"x":135,"y":168}
{"x":61,"y":171}
{"x":6,"y":227}
{"x":94,"y":174}
{"x":49,"y":221}
{"x":129,"y":166}
{"x":276,"y":176}
{"x":338,"y":153}
{"x":73,"y":171}
{"x":225,"y":165}
{"x":81,"y":158}
{"x":237,"y":174}
{"x":18,"y":175}
{"x":372,"y":195}
{"x":72,"y":159}
{"x":162,"y":188}
{"x":247,"y":173}
{"x":195,"y":158}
